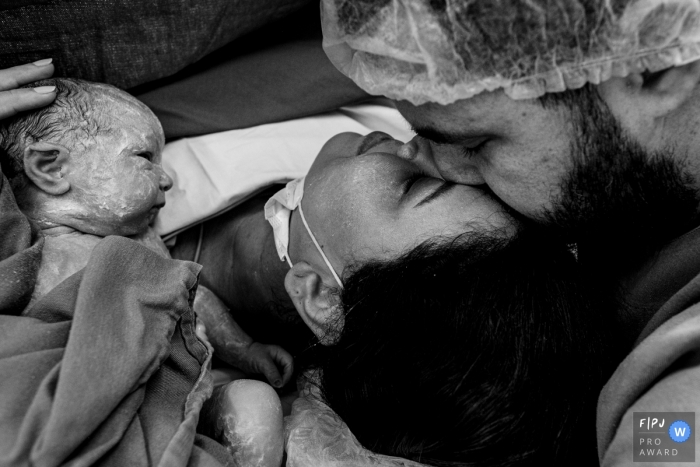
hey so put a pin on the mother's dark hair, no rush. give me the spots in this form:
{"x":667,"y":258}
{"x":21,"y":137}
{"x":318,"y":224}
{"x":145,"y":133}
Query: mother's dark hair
{"x":471,"y":351}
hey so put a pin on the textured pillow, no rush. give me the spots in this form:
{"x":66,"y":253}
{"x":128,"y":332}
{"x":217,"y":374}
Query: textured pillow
{"x":127,"y":42}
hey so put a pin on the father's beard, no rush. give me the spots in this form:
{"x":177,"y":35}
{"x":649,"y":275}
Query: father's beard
{"x":621,"y":204}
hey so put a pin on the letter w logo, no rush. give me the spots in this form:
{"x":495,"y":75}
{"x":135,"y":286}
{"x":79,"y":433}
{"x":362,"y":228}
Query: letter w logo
{"x":680,"y":431}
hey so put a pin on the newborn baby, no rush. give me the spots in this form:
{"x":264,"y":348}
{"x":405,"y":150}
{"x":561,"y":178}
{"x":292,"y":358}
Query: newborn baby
{"x":85,"y":167}
{"x":89,"y":166}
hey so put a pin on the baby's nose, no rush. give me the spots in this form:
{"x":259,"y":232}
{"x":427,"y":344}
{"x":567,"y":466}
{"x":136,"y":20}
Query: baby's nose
{"x":164,"y":182}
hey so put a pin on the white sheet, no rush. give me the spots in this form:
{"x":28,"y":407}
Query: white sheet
{"x":215,"y":172}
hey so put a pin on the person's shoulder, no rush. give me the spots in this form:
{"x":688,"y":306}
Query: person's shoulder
{"x":661,"y":375}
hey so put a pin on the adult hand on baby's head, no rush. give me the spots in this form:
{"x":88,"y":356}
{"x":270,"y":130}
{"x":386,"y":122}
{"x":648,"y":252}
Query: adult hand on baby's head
{"x":14,"y":100}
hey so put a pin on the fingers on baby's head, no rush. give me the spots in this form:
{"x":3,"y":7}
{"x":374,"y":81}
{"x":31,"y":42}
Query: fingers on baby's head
{"x":82,"y":107}
{"x":67,"y":118}
{"x":84,"y":103}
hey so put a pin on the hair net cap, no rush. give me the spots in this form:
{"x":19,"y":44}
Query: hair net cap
{"x":445,"y":50}
{"x":316,"y":436}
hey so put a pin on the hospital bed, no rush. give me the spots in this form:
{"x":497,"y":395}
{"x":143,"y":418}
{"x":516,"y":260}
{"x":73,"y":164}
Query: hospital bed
{"x":216,"y":172}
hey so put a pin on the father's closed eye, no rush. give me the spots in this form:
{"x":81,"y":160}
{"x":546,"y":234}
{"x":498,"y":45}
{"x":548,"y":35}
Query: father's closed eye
{"x":436,"y":136}
{"x":466,"y":145}
{"x":441,"y":136}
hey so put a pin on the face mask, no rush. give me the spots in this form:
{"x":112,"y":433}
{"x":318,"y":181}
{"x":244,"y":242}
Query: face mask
{"x":278,"y":212}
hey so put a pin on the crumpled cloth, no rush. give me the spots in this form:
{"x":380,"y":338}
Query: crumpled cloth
{"x":315,"y":436}
{"x":443,"y":51}
{"x":105,"y":369}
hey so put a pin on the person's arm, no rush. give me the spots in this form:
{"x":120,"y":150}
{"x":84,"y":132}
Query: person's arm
{"x":246,"y":417}
{"x":232,"y":345}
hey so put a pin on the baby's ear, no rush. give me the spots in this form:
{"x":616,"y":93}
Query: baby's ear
{"x":316,"y":303}
{"x":44,"y":164}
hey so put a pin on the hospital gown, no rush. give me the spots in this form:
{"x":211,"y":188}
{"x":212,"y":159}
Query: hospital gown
{"x":662,"y":373}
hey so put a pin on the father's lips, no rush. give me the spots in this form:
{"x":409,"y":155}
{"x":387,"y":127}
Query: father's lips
{"x":371,"y":140}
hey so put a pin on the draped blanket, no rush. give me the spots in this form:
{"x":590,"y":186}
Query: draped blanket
{"x":105,"y":369}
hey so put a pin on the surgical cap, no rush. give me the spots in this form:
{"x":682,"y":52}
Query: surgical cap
{"x":445,"y":50}
{"x":316,"y":436}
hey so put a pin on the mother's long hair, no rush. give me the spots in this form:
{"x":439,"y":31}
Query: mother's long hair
{"x":470,"y":351}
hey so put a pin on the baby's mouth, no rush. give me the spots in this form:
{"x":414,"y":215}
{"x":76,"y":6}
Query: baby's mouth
{"x":153,"y":213}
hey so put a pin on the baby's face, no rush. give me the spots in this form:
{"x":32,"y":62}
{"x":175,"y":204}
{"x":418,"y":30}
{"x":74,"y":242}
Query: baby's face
{"x":117,"y":177}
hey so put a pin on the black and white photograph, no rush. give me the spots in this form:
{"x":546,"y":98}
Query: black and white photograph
{"x":349,"y":233}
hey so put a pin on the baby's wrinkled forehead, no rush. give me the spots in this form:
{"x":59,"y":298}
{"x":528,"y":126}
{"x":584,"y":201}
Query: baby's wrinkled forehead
{"x":121,"y":110}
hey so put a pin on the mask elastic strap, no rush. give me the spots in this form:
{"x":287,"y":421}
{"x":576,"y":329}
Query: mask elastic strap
{"x":318,"y":247}
{"x":286,"y":256}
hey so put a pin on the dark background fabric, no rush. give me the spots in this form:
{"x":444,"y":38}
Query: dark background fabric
{"x":127,"y":42}
{"x":276,"y":73}
{"x":202,"y":66}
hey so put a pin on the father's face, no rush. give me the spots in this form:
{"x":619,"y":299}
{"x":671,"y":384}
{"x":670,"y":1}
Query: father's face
{"x":570,"y":166}
{"x":521,"y":150}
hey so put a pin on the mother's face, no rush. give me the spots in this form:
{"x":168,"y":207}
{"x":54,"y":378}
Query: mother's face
{"x":363,"y":201}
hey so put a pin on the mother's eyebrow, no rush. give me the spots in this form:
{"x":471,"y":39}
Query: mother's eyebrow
{"x":441,"y":190}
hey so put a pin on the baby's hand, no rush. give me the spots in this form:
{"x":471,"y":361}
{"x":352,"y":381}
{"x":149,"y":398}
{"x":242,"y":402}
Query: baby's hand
{"x":233,"y":346}
{"x":13,"y":100}
{"x":268,"y":360}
